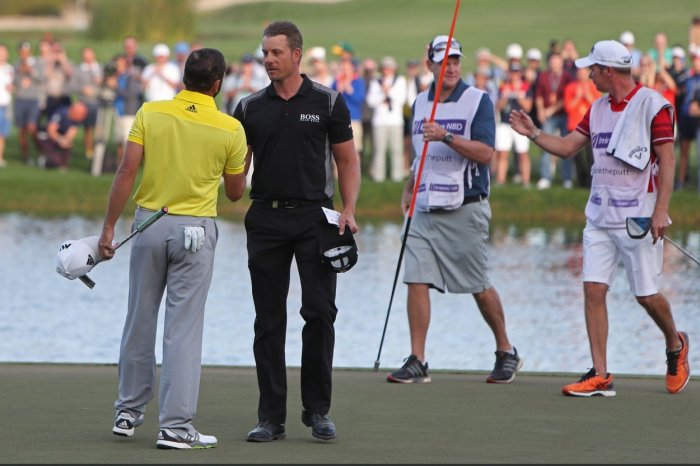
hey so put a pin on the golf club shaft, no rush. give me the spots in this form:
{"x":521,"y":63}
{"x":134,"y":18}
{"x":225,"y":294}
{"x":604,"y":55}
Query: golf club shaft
{"x":688,"y":255}
{"x":150,"y":221}
{"x":436,"y":99}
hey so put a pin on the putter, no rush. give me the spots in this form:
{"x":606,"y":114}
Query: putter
{"x":149,"y":221}
{"x":638,"y":227}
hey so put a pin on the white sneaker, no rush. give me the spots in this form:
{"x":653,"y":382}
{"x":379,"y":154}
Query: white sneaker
{"x":544,"y":183}
{"x":168,"y":439}
{"x":568,"y":184}
{"x":125,"y":423}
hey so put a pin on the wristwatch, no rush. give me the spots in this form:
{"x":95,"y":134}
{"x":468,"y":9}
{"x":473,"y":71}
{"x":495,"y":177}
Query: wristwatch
{"x":447,"y":138}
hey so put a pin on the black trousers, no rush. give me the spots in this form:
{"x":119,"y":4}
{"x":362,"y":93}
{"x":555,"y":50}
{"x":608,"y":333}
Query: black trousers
{"x":275,"y":236}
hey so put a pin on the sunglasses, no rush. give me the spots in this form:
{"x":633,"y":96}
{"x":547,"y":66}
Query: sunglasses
{"x":442,"y":46}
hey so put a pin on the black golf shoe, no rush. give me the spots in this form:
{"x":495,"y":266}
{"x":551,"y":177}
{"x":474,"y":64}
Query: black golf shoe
{"x":266,"y":431}
{"x":321,"y":425}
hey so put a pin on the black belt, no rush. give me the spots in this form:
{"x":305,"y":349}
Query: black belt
{"x":467,"y":200}
{"x":286,"y":203}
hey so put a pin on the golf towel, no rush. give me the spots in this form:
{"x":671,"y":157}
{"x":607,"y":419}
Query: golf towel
{"x":630,"y":141}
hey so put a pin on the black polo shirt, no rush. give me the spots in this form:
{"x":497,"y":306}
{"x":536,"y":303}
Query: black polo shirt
{"x":291,"y":140}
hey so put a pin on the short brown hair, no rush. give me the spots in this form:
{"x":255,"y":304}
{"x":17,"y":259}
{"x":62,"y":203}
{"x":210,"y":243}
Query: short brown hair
{"x":286,"y":28}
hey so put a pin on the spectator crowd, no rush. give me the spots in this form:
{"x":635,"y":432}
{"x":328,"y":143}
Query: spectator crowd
{"x":48,"y":98}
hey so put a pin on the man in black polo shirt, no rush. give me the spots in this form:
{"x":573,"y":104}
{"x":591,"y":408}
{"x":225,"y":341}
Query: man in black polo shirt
{"x":292,"y":127}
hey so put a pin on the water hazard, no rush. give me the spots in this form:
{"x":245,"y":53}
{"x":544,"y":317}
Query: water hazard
{"x":47,"y":318}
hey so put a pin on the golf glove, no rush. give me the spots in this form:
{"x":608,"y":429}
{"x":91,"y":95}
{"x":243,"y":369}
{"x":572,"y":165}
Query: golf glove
{"x":194,"y":238}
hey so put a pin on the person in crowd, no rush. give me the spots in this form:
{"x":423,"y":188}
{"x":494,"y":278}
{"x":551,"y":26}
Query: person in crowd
{"x":190,"y":146}
{"x":58,"y":82}
{"x":241,"y":83}
{"x":182,"y":51}
{"x":55,"y":145}
{"x":28,"y":86}
{"x":352,"y":87}
{"x":134,"y":59}
{"x":661,"y":53}
{"x":515,"y":93}
{"x":318,"y":66}
{"x":387,"y":96}
{"x":627,"y":39}
{"x":160,"y":78}
{"x":621,"y":188}
{"x":292,"y":182}
{"x":128,"y":87}
{"x":418,"y":79}
{"x":656,"y":77}
{"x":549,"y":102}
{"x":569,"y":55}
{"x":496,"y":67}
{"x":688,"y":124}
{"x":531,"y":74}
{"x":579,"y":95}
{"x":88,"y":81}
{"x":694,"y":34}
{"x":369,"y":74}
{"x":694,"y":112}
{"x":447,"y":245}
{"x":7,"y":76}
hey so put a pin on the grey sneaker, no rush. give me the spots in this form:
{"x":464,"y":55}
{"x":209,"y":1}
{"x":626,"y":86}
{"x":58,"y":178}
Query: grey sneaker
{"x":507,"y":365}
{"x":413,"y":371}
{"x":168,"y":439}
{"x":125,"y":423}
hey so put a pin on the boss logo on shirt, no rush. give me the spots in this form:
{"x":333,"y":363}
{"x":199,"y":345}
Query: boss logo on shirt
{"x":305,"y":117}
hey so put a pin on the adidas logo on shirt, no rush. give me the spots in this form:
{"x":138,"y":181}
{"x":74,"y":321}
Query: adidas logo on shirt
{"x":191,"y":108}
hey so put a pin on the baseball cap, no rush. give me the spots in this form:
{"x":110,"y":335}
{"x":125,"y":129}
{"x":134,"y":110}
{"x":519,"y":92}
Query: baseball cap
{"x":514,"y":51}
{"x":437,"y":48}
{"x":76,"y":258}
{"x":317,"y":53}
{"x":678,"y":52}
{"x":627,"y":38}
{"x":182,"y":47}
{"x":341,"y":47}
{"x":24,"y":45}
{"x":338,"y":252}
{"x":607,"y":53}
{"x":534,"y":54}
{"x":389,"y":62}
{"x":247,"y":58}
{"x":161,"y":50}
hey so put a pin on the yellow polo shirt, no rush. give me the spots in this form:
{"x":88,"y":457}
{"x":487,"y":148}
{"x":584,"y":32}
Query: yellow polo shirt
{"x":188,"y":145}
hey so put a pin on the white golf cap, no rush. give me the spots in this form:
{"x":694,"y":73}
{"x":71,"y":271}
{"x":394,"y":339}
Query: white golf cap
{"x":514,"y":51}
{"x":161,"y":50}
{"x":317,"y":53}
{"x":627,"y":38}
{"x":438,"y":46}
{"x":607,"y":53}
{"x":75,"y":258}
{"x":534,"y":54}
{"x":678,"y":52}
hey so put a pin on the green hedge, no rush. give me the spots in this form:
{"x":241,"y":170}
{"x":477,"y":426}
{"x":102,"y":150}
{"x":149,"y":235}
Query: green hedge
{"x":31,"y":7}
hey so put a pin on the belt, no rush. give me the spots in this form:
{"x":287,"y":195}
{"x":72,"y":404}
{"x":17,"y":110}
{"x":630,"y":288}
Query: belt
{"x":286,"y":203}
{"x":467,"y":200}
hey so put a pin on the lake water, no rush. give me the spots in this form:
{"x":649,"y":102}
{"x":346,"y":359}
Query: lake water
{"x":47,"y":318}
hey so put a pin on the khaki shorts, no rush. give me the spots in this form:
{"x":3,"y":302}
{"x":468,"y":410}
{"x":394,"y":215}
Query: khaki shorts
{"x":449,"y":250}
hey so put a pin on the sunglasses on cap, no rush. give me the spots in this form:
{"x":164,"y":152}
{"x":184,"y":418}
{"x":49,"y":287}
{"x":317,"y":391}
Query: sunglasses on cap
{"x":442,"y":46}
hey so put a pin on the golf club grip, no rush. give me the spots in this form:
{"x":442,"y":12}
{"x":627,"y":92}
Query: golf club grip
{"x":150,"y":221}
{"x":88,"y":281}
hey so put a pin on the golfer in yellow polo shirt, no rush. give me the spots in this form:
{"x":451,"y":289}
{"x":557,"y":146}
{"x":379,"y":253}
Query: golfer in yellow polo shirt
{"x":186,"y":145}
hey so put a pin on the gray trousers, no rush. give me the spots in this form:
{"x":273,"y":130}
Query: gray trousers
{"x":159,"y":261}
